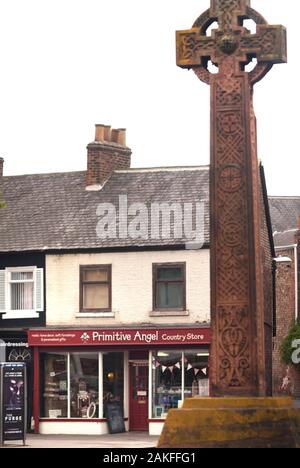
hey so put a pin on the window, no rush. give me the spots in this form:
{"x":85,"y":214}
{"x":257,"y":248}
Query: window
{"x":113,"y":378}
{"x":54,"y":395}
{"x":166,"y":382}
{"x":21,"y":292}
{"x":95,"y":288}
{"x":169,"y":286}
{"x":84,"y":378}
{"x":177,"y":375}
{"x":79,"y":385}
{"x":21,"y":288}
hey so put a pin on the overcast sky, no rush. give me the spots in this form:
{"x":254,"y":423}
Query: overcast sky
{"x":68,"y":64}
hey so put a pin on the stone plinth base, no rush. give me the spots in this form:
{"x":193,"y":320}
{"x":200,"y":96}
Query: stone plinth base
{"x":233,"y":423}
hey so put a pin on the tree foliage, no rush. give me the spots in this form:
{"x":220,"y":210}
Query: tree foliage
{"x":287,"y":348}
{"x":2,"y":202}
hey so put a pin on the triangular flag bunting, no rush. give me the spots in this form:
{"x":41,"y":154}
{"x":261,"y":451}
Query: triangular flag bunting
{"x":204,"y":370}
{"x":171,"y":368}
{"x":196,"y":371}
{"x":157,"y":364}
{"x":177,"y":365}
{"x":189,"y":367}
{"x":163,"y":368}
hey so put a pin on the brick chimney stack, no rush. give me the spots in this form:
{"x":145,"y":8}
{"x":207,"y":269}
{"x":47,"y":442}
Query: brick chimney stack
{"x":106,"y":154}
{"x":1,"y":167}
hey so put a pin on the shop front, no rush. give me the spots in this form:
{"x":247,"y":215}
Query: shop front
{"x":77,"y":373}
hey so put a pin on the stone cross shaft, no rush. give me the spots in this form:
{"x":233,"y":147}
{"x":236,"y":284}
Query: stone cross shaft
{"x":241,"y":271}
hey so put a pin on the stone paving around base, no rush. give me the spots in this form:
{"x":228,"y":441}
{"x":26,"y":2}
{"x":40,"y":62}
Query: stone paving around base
{"x":126,"y":440}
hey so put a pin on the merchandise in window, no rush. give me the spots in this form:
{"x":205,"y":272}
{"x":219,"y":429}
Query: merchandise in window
{"x":54,"y":379}
{"x":84,"y":376}
{"x":176,"y":376}
{"x":167,"y":382}
{"x":113,"y":378}
{"x":196,"y":376}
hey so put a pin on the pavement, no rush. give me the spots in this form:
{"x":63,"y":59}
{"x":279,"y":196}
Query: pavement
{"x":124,"y":440}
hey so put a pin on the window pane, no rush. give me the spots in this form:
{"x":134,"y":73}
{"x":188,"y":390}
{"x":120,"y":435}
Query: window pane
{"x":113,"y":378}
{"x":54,"y":381}
{"x":84,"y":385}
{"x":170,"y":273}
{"x":167,"y":382}
{"x":95,"y":296}
{"x":21,"y":275}
{"x":169,"y":295}
{"x":21,"y":296}
{"x":196,"y":373}
{"x":95,"y":275}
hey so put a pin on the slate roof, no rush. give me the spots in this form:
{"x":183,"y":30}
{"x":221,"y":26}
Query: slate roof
{"x":285,"y":212}
{"x":285,"y":238}
{"x":55,"y":211}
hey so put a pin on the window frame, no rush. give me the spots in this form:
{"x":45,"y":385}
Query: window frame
{"x":105,"y":267}
{"x":12,"y":314}
{"x":155,"y":268}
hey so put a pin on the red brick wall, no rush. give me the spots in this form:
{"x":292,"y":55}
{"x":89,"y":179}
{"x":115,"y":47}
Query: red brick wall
{"x":285,"y":317}
{"x":103,"y":159}
{"x":267,"y":267}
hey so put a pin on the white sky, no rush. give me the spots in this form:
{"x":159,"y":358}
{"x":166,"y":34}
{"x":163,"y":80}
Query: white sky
{"x":68,"y":64}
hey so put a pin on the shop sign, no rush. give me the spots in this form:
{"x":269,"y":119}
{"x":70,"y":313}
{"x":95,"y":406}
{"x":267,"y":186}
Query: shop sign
{"x":119,"y":337}
{"x":13,"y":402}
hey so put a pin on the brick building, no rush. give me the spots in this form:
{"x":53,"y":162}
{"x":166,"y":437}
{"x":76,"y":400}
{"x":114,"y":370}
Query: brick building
{"x":285,"y":218}
{"x":115,"y":308}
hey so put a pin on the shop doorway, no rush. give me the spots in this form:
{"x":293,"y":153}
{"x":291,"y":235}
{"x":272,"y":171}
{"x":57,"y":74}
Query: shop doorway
{"x":138,"y":396}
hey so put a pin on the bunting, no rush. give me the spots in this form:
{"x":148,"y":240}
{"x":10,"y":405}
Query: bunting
{"x":178,"y":365}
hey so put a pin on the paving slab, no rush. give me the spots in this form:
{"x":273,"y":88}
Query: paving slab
{"x":126,"y":440}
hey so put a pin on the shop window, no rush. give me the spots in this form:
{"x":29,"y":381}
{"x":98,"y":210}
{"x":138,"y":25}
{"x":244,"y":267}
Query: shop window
{"x":54,"y":380}
{"x":167,"y":382}
{"x":196,"y":373}
{"x":176,"y":376}
{"x":113,"y":378}
{"x":169,"y":286}
{"x":84,"y":378}
{"x":95,"y":288}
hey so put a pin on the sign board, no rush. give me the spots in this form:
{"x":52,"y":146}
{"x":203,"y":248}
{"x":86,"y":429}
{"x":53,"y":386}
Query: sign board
{"x":115,"y":417}
{"x":120,"y":337}
{"x":13,"y":399}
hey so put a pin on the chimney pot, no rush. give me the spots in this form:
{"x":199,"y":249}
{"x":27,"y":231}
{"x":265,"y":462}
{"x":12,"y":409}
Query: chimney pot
{"x":104,"y":157}
{"x":99,"y":132}
{"x":1,"y":166}
{"x":114,"y":135}
{"x":122,"y":136}
{"x":107,"y":133}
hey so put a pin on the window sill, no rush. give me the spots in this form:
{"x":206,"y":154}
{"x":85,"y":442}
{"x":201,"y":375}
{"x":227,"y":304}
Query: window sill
{"x":20,"y":315}
{"x":169,"y":313}
{"x":95,"y":314}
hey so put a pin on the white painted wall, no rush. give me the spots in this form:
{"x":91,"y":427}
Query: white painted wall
{"x":155,"y":428}
{"x":131,"y":287}
{"x":74,"y":427}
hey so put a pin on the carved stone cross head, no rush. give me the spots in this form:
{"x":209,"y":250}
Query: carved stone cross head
{"x":231,"y":42}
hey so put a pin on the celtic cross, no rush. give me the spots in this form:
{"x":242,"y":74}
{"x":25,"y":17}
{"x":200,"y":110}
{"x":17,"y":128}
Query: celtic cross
{"x":241,"y":271}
